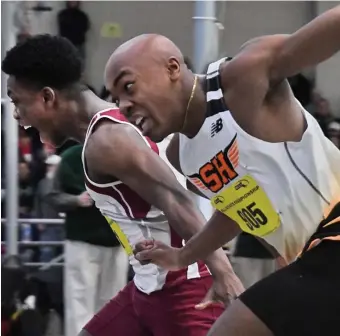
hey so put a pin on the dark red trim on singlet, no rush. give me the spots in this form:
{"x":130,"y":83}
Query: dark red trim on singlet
{"x":108,"y":191}
{"x":114,"y":113}
{"x":153,"y":146}
{"x":138,"y":207}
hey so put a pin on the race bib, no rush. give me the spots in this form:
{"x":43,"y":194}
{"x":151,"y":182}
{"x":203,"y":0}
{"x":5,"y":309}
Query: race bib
{"x":248,"y":205}
{"x":121,"y":236}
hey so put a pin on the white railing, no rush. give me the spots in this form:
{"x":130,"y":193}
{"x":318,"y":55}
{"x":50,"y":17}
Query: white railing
{"x":46,"y":265}
{"x":46,"y":221}
{"x":54,"y":221}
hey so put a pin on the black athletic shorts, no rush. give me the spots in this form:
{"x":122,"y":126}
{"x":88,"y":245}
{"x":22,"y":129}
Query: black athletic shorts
{"x":302,"y":298}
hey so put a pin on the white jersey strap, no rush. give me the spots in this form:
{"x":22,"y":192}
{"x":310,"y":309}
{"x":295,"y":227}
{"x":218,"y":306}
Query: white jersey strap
{"x":214,"y":67}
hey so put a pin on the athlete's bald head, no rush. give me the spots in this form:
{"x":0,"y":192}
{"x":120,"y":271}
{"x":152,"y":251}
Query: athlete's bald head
{"x":146,"y":76}
{"x":140,"y":51}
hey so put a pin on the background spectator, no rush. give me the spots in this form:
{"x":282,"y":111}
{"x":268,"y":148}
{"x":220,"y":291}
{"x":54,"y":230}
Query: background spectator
{"x":25,"y":145}
{"x":25,"y":189}
{"x":73,"y":24}
{"x":302,"y":89}
{"x":322,"y":112}
{"x":43,"y":209}
{"x":334,"y":132}
{"x":96,"y":265}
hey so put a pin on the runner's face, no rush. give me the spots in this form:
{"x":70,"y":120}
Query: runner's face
{"x":149,"y":99}
{"x":36,"y":109}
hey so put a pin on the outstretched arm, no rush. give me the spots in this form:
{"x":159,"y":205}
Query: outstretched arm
{"x":118,"y":150}
{"x":312,"y":44}
{"x":266,"y":61}
{"x":218,"y":231}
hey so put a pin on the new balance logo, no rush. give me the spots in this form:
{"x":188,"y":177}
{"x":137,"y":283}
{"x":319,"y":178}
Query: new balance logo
{"x":216,"y":127}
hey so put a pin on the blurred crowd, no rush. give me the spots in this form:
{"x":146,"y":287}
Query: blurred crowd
{"x":36,"y":165}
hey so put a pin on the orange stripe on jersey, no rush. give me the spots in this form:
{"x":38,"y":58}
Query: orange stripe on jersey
{"x":335,"y":220}
{"x":234,"y":160}
{"x":233,"y":149}
{"x":317,"y":241}
{"x":198,"y":183}
{"x":326,"y":229}
{"x":233,"y":154}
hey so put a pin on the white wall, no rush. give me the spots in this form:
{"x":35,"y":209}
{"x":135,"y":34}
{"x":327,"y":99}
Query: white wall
{"x":247,"y":19}
{"x":172,"y":19}
{"x":242,"y":21}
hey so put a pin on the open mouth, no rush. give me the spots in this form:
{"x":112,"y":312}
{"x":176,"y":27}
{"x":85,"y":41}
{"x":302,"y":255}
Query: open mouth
{"x":140,"y":122}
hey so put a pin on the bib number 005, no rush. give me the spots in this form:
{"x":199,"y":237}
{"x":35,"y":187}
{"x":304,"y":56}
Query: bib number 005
{"x":253,"y":217}
{"x":247,"y":203}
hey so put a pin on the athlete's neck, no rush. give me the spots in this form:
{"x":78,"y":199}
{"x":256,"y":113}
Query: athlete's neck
{"x":196,"y":112}
{"x":87,"y":106}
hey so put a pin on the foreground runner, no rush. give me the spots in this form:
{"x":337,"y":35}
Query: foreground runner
{"x":263,"y":160}
{"x":120,"y":168}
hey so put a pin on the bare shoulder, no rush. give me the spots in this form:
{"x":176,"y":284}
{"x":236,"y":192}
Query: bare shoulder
{"x":254,"y":56}
{"x":172,"y":152}
{"x":251,"y":74}
{"x":111,"y":144}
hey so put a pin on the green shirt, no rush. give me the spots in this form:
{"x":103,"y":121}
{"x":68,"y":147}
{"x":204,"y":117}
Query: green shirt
{"x":82,"y":223}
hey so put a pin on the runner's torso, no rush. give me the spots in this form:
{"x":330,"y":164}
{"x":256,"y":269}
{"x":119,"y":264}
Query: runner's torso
{"x":133,"y":220}
{"x":278,"y":191}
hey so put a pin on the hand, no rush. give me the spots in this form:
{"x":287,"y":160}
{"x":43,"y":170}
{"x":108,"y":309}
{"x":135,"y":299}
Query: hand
{"x":160,"y":254}
{"x":142,"y":246}
{"x":84,"y":199}
{"x":224,"y":290}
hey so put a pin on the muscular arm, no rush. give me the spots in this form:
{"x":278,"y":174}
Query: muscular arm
{"x":218,"y":231}
{"x":118,"y":150}
{"x":266,"y":61}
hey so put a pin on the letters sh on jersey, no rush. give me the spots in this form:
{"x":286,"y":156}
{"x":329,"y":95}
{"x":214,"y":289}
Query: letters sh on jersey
{"x":219,"y":171}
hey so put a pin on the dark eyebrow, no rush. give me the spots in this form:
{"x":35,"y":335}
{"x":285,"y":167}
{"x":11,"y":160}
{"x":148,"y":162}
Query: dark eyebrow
{"x":120,"y":76}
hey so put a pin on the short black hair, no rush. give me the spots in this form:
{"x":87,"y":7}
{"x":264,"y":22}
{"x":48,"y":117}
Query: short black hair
{"x":44,"y":60}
